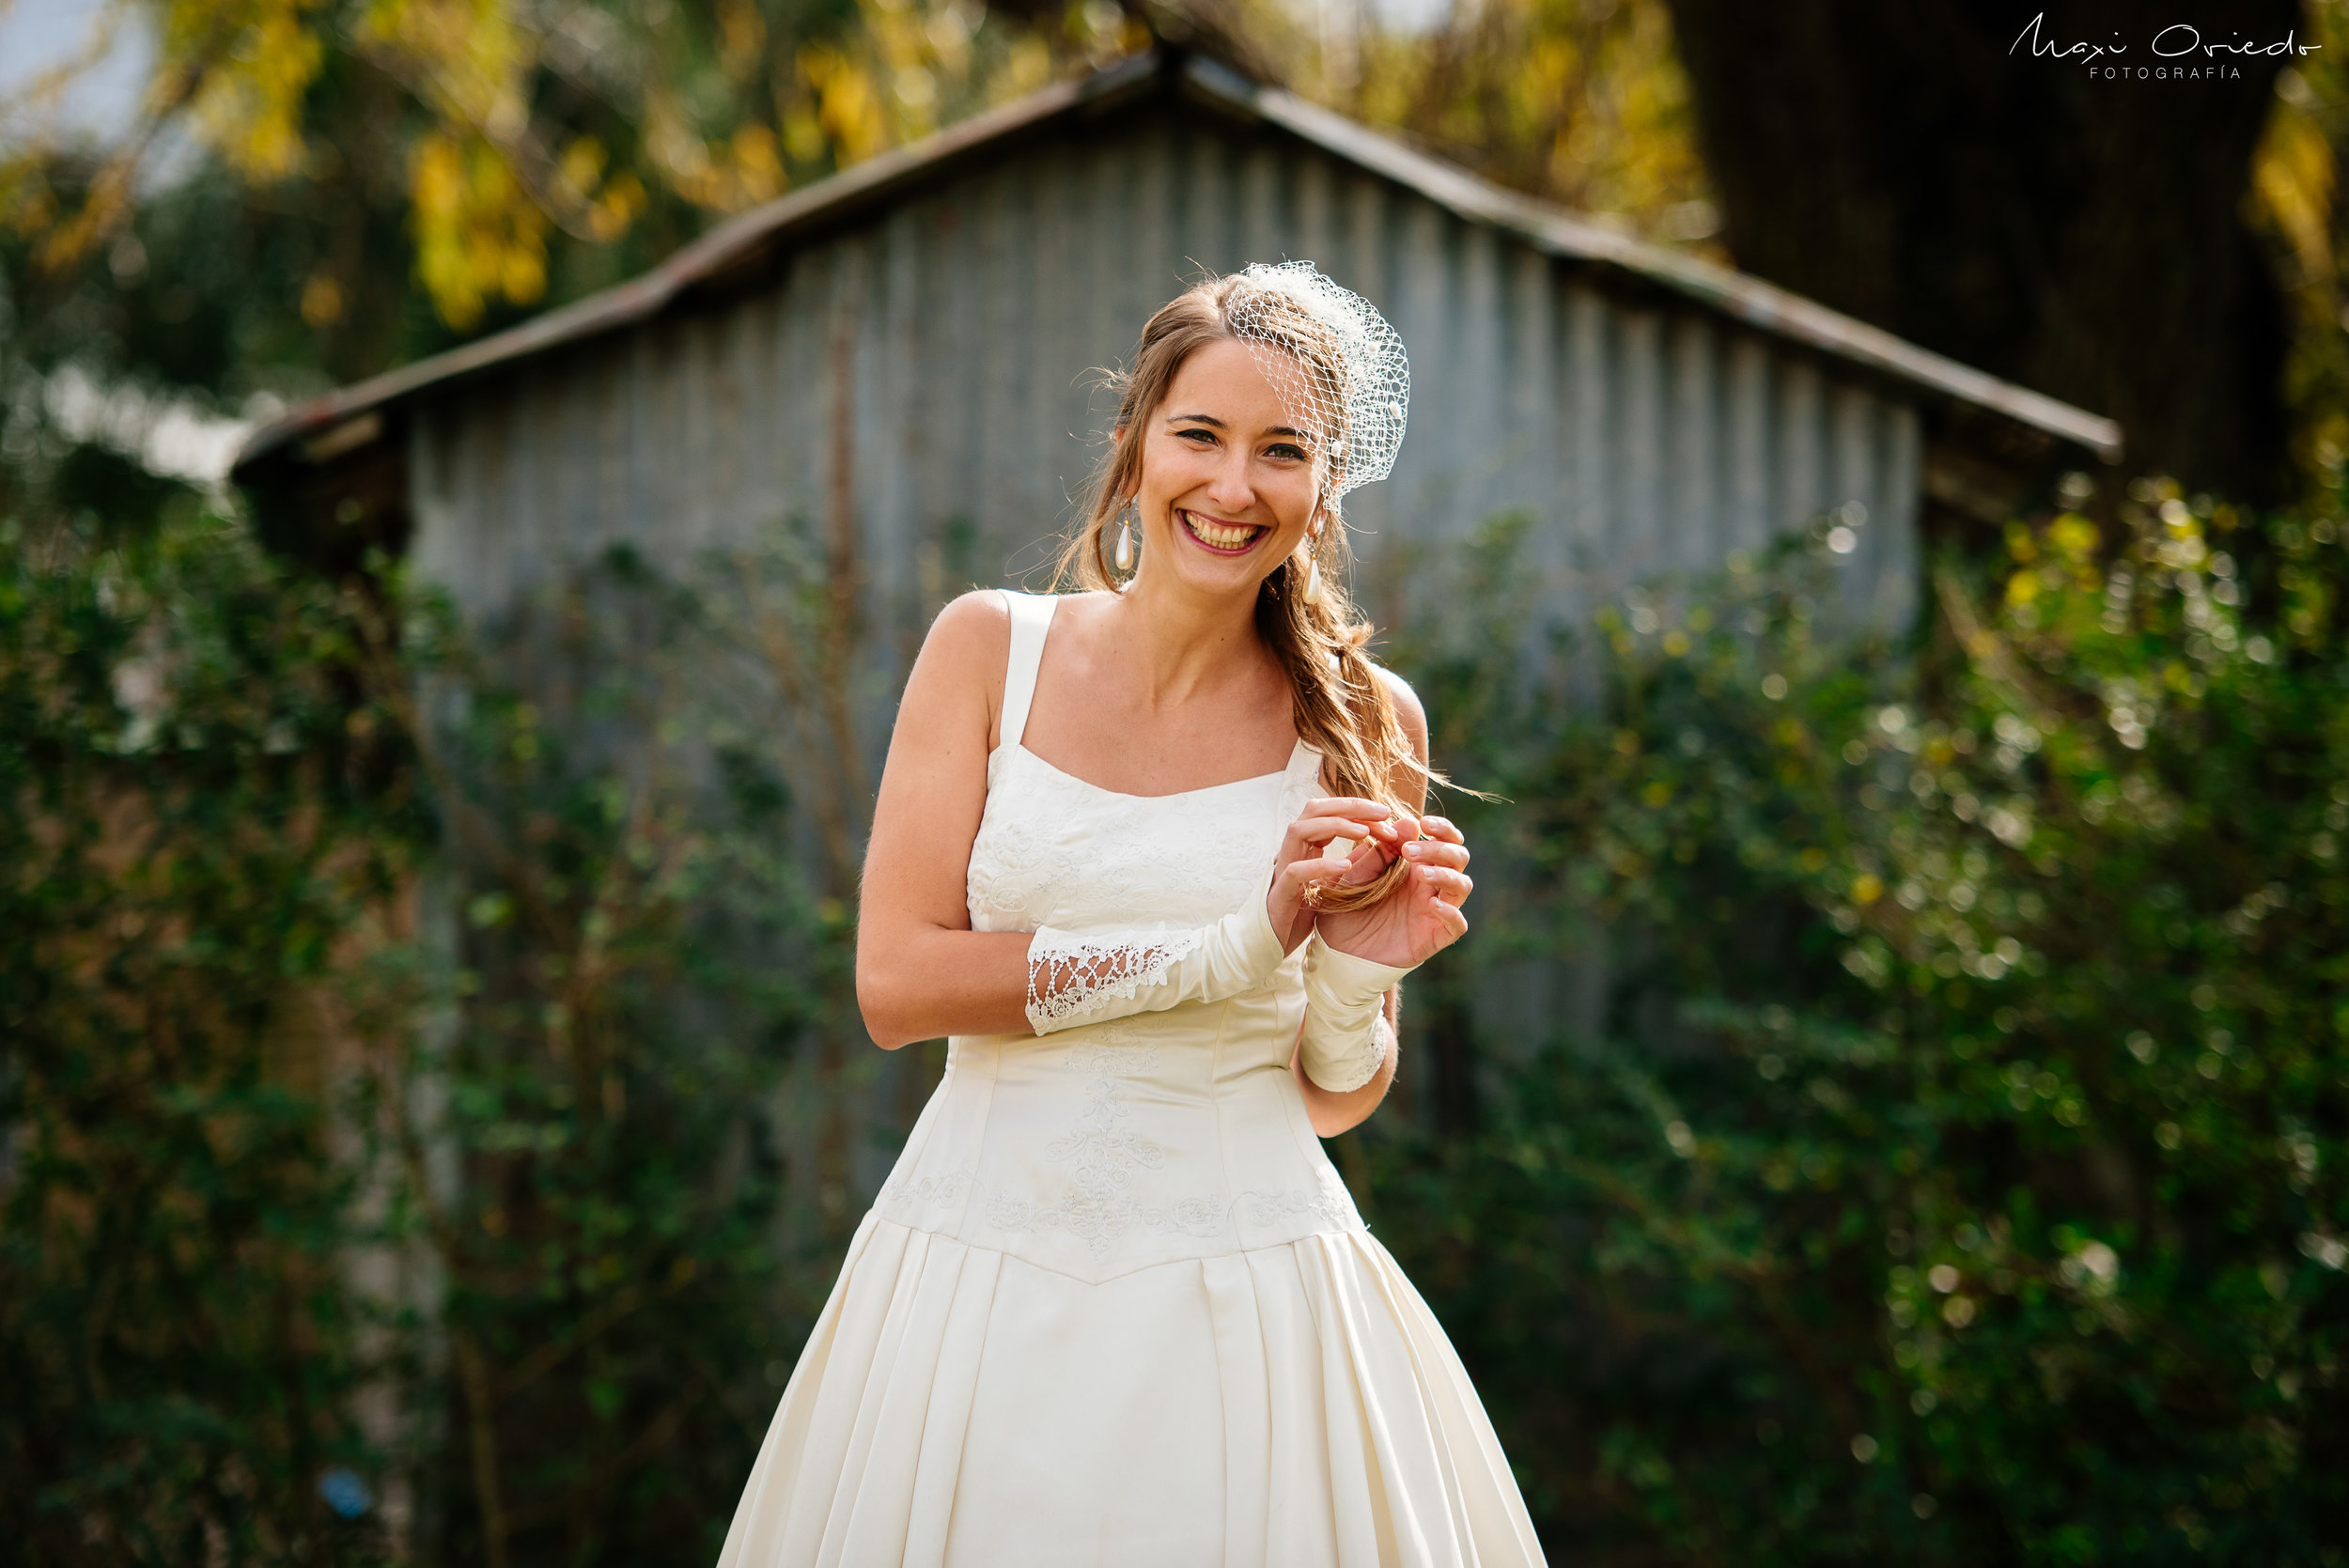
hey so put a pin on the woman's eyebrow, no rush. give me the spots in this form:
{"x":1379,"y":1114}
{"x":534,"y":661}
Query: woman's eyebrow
{"x":1210,"y":419}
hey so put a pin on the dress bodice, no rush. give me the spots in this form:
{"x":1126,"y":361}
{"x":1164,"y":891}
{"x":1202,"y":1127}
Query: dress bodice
{"x":1125,"y":1143}
{"x":1056,"y":850}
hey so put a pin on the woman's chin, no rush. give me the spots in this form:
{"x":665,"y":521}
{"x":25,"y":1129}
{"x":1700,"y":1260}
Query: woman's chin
{"x":1219,"y":579}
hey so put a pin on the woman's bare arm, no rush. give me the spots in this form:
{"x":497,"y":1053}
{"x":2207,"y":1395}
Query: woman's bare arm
{"x":921,"y":970}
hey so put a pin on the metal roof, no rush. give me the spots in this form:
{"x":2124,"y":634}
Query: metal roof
{"x":747,"y":238}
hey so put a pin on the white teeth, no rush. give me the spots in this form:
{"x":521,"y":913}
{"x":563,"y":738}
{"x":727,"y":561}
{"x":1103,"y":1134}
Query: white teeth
{"x":1218,"y":535}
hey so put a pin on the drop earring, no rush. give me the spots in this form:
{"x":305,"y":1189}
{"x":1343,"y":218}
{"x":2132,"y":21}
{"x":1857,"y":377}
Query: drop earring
{"x":1125,"y":557}
{"x":1313,"y":564}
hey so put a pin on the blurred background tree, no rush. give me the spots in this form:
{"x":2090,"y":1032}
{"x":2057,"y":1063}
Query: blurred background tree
{"x":1917,"y":167}
{"x":344,"y":187}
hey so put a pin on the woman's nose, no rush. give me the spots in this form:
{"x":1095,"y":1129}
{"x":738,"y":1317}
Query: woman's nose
{"x":1230,"y":488}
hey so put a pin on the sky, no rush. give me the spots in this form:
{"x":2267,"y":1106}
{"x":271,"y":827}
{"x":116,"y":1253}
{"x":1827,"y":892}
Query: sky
{"x":1408,"y":16}
{"x":171,"y":431}
{"x":36,"y":35}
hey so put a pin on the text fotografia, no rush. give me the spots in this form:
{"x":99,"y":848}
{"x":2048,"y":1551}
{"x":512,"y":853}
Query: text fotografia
{"x":2178,"y":52}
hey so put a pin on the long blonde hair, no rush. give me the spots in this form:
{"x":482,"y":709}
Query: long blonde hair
{"x":1341,"y":705}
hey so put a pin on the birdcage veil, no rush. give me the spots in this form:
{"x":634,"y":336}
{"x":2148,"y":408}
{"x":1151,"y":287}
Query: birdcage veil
{"x":1338,"y":367}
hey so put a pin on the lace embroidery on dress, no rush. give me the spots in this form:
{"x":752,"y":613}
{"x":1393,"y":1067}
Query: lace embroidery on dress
{"x":1377,"y":1040}
{"x":1106,"y":1156}
{"x":1332,"y":1205}
{"x":904,"y":1189}
{"x":1069,"y":976}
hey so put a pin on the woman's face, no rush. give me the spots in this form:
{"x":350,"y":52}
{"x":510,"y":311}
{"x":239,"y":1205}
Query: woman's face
{"x":1227,"y":483}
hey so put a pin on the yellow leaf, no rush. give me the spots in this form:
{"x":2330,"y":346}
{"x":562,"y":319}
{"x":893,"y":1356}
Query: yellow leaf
{"x":2294,"y":179}
{"x":257,"y":60}
{"x":478,"y":235}
{"x":2074,"y":535}
{"x":321,"y":300}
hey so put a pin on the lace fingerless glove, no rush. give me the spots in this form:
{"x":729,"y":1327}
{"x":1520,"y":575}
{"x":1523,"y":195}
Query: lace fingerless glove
{"x":1346,"y":1034}
{"x":1078,"y":979}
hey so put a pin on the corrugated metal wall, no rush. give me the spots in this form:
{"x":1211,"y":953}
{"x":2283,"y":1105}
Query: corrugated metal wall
{"x":946,"y":344}
{"x":961,"y":325}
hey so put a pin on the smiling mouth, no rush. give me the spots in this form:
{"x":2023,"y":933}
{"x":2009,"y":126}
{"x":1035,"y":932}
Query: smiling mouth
{"x":1224,"y":538}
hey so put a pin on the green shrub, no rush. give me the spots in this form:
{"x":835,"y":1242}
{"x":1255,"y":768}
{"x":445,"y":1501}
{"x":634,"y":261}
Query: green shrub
{"x":392,"y":1064}
{"x":591,"y":1145}
{"x":195,"y":819}
{"x":1956,"y":1174}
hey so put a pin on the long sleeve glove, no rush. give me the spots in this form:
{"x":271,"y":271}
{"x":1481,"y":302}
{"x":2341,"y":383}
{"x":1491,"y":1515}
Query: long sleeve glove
{"x":1077,"y":979}
{"x":1346,"y":1033}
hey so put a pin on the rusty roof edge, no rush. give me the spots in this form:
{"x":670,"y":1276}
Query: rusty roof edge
{"x":641,"y":298}
{"x":1733,"y":293}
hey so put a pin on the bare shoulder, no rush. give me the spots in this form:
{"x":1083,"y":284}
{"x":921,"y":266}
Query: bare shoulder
{"x":1078,"y":615}
{"x":1408,"y":710}
{"x":958,"y":678}
{"x":971,"y":627}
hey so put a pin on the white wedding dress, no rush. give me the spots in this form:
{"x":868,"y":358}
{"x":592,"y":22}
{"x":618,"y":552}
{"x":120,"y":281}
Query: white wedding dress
{"x":1113,"y":1307}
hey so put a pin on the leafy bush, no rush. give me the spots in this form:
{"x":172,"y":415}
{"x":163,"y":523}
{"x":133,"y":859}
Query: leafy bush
{"x":195,"y":822}
{"x":590,"y":1152}
{"x":393,"y":1062}
{"x":1955,"y":1174}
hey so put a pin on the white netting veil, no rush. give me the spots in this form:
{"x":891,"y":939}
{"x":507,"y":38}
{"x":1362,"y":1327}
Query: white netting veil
{"x":1337,"y":366}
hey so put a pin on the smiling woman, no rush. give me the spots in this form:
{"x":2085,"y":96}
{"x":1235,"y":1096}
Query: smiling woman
{"x":1152,"y":854}
{"x":1274,"y":391}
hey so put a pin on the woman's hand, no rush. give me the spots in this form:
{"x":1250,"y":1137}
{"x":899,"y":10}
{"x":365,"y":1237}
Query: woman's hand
{"x":1422,"y":917}
{"x":1304,"y":856}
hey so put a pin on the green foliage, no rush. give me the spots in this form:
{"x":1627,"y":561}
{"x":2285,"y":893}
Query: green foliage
{"x":1584,"y":105}
{"x":393,"y":1062}
{"x":411,"y":172}
{"x":1952,"y":1170}
{"x":194,"y":825}
{"x":590,"y":1149}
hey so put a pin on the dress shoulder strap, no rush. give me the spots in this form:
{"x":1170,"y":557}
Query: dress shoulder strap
{"x":1031,"y":618}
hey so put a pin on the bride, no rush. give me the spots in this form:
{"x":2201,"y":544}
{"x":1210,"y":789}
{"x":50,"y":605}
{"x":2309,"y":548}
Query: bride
{"x":1153,"y":855}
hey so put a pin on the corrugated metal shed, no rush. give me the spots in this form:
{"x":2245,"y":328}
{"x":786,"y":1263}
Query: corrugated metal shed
{"x":941,"y":306}
{"x":899,"y":358}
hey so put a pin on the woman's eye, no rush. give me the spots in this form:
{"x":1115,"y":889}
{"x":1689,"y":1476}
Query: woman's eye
{"x":1285,"y":451}
{"x":1204,"y":438}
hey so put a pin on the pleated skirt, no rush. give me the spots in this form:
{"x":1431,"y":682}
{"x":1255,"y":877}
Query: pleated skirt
{"x":1284,"y":1408}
